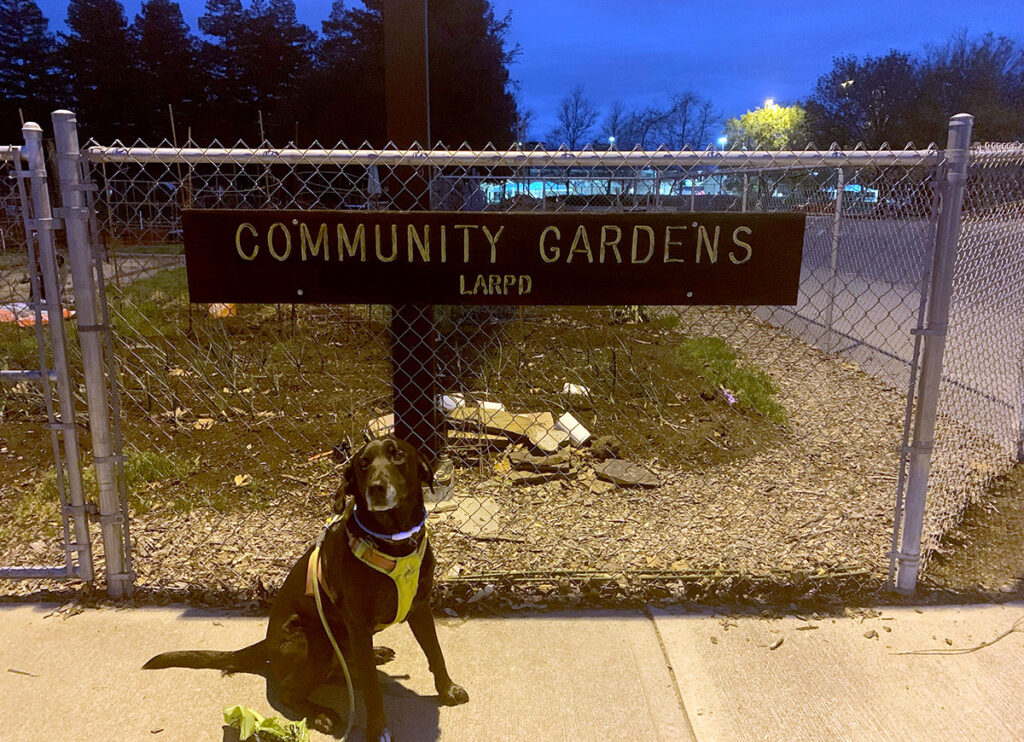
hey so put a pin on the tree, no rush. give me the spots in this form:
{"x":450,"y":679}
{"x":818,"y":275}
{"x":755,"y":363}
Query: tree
{"x":165,"y":52}
{"x":899,"y":98}
{"x":984,"y":77}
{"x":26,"y":75}
{"x":615,"y":123}
{"x":771,"y":127}
{"x":470,"y":92}
{"x":96,"y":57}
{"x":576,"y":119}
{"x":686,"y":122}
{"x":221,"y":57}
{"x":277,"y":51}
{"x":867,"y":102}
{"x":525,"y":118}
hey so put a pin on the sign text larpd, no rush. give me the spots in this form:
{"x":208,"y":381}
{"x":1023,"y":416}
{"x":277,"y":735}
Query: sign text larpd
{"x":343,"y":257}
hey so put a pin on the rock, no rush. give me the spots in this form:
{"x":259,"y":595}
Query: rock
{"x":606,"y":447}
{"x":520,"y":478}
{"x":599,"y":486}
{"x":469,"y":441}
{"x":526,"y":461}
{"x":477,"y":516}
{"x":871,"y":634}
{"x":543,"y":434}
{"x":495,"y":422}
{"x":626,"y":474}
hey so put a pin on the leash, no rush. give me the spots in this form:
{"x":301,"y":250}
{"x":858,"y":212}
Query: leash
{"x":334,"y":643}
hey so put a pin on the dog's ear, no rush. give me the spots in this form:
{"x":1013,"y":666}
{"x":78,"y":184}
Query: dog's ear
{"x":426,"y":471}
{"x":349,"y":486}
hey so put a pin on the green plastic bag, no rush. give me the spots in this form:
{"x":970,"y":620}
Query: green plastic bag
{"x":251,"y":725}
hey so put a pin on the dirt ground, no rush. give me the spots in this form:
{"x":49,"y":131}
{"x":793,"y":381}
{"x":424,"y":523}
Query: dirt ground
{"x":775,"y":463}
{"x":227,"y":423}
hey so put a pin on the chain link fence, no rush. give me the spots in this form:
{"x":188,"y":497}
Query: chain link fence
{"x":751,"y":445}
{"x":981,"y":407}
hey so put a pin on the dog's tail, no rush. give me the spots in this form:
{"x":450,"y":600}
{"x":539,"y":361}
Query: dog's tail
{"x":247,"y":659}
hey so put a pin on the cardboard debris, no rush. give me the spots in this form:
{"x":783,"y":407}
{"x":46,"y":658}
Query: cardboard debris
{"x":380,"y":427}
{"x":625,"y":474}
{"x":578,"y":435}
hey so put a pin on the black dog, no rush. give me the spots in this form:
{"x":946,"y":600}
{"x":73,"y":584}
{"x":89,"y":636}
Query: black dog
{"x":381,"y":533}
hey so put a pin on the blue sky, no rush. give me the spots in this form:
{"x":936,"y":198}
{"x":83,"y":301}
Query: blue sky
{"x":735,"y":53}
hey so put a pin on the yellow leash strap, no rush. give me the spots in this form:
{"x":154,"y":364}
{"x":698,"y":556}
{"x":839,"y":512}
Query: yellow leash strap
{"x":330,"y":635}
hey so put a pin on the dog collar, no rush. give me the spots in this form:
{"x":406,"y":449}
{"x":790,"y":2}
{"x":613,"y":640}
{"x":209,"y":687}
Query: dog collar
{"x":400,"y":536}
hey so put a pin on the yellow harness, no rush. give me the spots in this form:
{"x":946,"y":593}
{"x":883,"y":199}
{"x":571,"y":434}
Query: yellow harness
{"x":403,"y":571}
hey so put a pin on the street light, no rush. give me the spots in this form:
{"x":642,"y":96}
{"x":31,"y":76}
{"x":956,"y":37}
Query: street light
{"x":611,"y":142}
{"x":722,"y":141}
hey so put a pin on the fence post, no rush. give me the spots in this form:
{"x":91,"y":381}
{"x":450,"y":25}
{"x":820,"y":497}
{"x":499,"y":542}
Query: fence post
{"x":90,"y":327}
{"x":954,"y":177}
{"x":44,"y":226}
{"x":833,"y":260}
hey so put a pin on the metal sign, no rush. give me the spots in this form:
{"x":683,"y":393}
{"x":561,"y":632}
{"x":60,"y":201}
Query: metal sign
{"x":343,"y":257}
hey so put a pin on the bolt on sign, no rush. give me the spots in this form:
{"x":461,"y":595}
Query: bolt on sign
{"x":343,"y":257}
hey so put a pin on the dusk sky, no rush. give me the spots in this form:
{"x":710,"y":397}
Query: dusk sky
{"x":736,"y":53}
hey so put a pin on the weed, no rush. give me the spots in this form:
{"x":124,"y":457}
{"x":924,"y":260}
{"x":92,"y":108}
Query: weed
{"x":713,"y":359}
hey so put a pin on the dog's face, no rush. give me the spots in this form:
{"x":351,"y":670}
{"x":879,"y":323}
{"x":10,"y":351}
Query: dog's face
{"x":383,"y":475}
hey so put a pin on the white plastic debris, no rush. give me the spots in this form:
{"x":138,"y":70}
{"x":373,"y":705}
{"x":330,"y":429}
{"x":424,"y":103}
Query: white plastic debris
{"x":578,"y":389}
{"x":578,"y":435}
{"x":449,"y":402}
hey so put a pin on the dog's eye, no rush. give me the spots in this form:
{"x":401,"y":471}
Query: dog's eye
{"x":363,"y":462}
{"x":398,"y":457}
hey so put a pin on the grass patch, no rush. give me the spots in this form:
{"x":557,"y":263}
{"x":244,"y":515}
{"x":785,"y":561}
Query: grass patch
{"x":143,"y":305}
{"x":713,"y":359}
{"x":18,"y":347}
{"x":144,"y":471}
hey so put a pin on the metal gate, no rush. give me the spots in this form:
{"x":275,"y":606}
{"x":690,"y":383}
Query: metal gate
{"x":34,"y":298}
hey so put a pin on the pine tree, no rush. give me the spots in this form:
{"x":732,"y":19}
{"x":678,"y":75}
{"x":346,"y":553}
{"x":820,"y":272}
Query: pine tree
{"x":221,"y":58}
{"x":96,"y":57}
{"x":26,"y":74}
{"x":470,"y":92}
{"x":165,"y":54}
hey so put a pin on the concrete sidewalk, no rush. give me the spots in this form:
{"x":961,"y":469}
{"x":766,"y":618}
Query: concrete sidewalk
{"x":593,"y":675}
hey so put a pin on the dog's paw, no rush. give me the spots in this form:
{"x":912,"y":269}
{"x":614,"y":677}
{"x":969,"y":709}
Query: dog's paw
{"x":383,"y":655}
{"x":453,"y":695}
{"x":325,"y":722}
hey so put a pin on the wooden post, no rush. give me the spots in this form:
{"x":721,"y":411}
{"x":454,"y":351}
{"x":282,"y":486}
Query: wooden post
{"x":407,"y":106}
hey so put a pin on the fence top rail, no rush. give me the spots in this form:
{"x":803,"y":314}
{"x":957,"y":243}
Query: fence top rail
{"x":390,"y":157}
{"x":9,"y":152}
